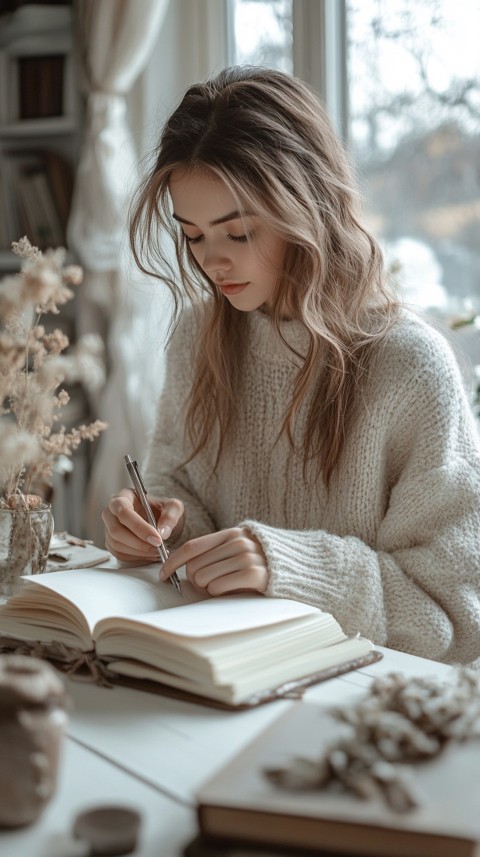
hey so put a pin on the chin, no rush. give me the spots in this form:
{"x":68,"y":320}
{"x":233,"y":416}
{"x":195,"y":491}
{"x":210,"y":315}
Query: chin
{"x":246,"y":305}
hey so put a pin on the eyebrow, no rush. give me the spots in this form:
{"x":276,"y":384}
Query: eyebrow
{"x":232,"y":215}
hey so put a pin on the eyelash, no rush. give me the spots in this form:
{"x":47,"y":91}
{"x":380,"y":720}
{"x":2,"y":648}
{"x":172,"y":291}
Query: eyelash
{"x":240,"y":238}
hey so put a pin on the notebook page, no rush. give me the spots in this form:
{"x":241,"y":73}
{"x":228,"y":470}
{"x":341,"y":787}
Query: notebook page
{"x":99,"y":593}
{"x":228,"y":614}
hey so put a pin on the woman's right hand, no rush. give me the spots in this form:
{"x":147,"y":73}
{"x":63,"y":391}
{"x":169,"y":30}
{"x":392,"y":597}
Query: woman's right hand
{"x":128,"y":536}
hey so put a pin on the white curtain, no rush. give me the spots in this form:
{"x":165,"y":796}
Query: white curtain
{"x":115,"y":38}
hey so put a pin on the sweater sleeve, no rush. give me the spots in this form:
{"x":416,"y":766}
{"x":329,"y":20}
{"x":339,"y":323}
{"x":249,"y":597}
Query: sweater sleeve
{"x":417,"y":588}
{"x":165,"y":473}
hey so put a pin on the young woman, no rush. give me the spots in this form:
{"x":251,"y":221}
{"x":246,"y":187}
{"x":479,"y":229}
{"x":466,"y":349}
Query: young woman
{"x":313,"y":439}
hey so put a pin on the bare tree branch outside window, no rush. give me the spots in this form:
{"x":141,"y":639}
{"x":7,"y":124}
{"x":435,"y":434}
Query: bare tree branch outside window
{"x":414,"y":89}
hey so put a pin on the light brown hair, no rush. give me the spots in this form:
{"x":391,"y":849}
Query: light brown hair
{"x":267,"y":136}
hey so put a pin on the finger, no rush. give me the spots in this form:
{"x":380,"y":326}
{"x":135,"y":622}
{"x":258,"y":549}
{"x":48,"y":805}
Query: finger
{"x":194,"y":548}
{"x":125,"y":511}
{"x":123,"y":537}
{"x":127,"y":556}
{"x":246,"y":561}
{"x":239,"y":563}
{"x":123,"y":550}
{"x":125,"y":500}
{"x":234,"y":550}
{"x":124,"y":494}
{"x":253,"y":579}
{"x":140,"y":550}
{"x":211,"y":570}
{"x":171,"y":512}
{"x":239,"y":550}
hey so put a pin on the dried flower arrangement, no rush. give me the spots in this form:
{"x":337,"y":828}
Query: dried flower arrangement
{"x":399,"y":722}
{"x":32,"y":369}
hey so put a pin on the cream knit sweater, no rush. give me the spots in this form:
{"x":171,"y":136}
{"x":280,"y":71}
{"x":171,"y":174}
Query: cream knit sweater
{"x":393,"y":549}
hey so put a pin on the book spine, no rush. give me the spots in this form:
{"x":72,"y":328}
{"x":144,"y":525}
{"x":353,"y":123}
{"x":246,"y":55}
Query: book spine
{"x":40,"y":86}
{"x":35,"y":198}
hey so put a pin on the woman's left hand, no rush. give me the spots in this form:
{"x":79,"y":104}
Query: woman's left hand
{"x":228,"y":561}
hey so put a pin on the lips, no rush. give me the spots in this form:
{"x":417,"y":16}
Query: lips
{"x":228,"y":289}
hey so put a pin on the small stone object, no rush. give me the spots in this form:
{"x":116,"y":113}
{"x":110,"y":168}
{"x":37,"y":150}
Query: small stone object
{"x":33,"y":717}
{"x":108,"y":830}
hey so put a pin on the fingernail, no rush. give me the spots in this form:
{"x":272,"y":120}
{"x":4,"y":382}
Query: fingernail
{"x":154,"y":540}
{"x":165,"y":532}
{"x":162,"y":576}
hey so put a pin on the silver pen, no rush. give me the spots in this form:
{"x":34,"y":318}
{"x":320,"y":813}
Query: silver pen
{"x":141,"y":492}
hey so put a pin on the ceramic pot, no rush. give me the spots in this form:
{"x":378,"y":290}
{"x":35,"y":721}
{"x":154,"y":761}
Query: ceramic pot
{"x":25,"y":536}
{"x":32,"y":723}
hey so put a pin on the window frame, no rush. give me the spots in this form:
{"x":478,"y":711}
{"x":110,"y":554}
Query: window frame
{"x":319,"y":52}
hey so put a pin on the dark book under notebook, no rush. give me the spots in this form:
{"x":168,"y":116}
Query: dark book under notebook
{"x":233,"y":651}
{"x":207,"y":846}
{"x":239,"y":803}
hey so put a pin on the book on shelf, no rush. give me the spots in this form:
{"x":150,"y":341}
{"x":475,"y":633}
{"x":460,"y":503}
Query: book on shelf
{"x":4,"y":208}
{"x":235,"y":650}
{"x":60,"y":176}
{"x":12,"y":165}
{"x":35,"y":197}
{"x":44,"y":227}
{"x":40,"y":86}
{"x":240,"y":804}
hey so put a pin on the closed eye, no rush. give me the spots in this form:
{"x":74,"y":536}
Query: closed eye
{"x":198,"y":238}
{"x":241,"y":238}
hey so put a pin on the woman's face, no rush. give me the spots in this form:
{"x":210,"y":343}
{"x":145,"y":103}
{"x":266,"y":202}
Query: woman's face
{"x":237,"y":250}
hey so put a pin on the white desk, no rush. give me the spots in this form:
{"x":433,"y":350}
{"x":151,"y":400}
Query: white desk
{"x":151,"y":753}
{"x":86,"y":781}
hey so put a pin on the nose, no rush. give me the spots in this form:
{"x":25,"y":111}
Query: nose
{"x":214,"y":260}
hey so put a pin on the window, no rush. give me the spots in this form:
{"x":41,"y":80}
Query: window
{"x":414,"y":123}
{"x":261,"y":33}
{"x":408,"y":75}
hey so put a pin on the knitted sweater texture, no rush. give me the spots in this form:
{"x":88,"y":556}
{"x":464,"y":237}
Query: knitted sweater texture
{"x":392,"y":549}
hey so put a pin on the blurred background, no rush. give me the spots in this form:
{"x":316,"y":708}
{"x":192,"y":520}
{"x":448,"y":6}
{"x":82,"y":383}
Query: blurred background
{"x":84,"y":89}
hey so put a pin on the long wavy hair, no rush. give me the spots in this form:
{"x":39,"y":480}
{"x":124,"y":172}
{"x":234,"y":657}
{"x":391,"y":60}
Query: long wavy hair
{"x":267,"y":136}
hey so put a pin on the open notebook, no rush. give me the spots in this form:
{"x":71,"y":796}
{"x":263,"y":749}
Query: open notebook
{"x":236,"y":650}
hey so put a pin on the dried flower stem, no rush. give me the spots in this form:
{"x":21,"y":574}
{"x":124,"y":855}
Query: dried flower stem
{"x":32,"y":368}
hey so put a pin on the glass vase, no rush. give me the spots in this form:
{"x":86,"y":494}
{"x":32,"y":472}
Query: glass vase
{"x":25,"y":536}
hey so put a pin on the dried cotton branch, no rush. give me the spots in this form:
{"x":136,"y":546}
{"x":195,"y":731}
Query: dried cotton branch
{"x":400,"y":722}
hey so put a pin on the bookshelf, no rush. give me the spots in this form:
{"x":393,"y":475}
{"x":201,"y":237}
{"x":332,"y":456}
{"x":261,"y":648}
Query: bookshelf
{"x":40,"y":125}
{"x":40,"y":120}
